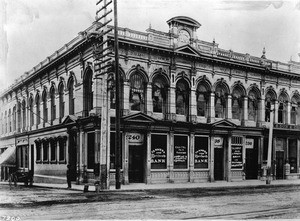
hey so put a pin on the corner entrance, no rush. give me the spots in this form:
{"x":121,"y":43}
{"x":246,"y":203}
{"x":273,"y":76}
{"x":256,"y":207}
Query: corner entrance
{"x":136,"y":164}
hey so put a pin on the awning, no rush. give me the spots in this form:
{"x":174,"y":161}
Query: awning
{"x":8,"y":157}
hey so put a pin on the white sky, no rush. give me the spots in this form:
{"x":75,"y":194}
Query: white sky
{"x":37,"y":28}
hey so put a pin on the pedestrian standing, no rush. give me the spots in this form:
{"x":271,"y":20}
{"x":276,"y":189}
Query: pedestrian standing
{"x":69,"y":176}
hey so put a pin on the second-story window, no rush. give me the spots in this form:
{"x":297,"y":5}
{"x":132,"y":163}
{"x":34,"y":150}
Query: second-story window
{"x":202,"y":95}
{"x":61,"y":100}
{"x":71,"y":96}
{"x":87,"y":92}
{"x":269,"y":101}
{"x":24,"y":115}
{"x":182,"y":97}
{"x":159,"y":94}
{"x":253,"y":100}
{"x":19,"y":109}
{"x":52,"y":104}
{"x":38,"y":112}
{"x":282,"y":108}
{"x":14,"y":120}
{"x":31,"y":112}
{"x":295,"y":110}
{"x":237,"y":103}
{"x":137,"y":92}
{"x":220,"y":102}
{"x":45,"y":107}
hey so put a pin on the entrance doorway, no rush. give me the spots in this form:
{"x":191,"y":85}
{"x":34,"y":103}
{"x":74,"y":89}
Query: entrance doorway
{"x":72,"y":156}
{"x":219,"y":164}
{"x":136,"y":164}
{"x":252,"y":161}
{"x":279,"y":164}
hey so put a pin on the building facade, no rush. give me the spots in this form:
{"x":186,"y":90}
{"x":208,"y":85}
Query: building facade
{"x":191,"y":112}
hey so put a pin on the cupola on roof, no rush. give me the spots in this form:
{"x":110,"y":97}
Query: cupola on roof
{"x":184,"y":20}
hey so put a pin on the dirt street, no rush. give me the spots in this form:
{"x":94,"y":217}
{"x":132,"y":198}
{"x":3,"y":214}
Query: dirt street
{"x":23,"y":203}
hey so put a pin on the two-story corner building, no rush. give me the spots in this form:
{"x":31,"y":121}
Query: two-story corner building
{"x":191,"y":112}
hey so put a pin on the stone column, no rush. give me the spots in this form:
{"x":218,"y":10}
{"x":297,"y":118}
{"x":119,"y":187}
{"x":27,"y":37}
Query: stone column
{"x":245,"y":110}
{"x":126,"y":97}
{"x":211,"y":108}
{"x":172,"y":102}
{"x":149,"y":103}
{"x":228,"y":112}
{"x":261,"y":111}
{"x":193,"y":106}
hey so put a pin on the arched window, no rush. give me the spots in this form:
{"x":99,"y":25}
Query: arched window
{"x":159,"y":94}
{"x":9,"y":121}
{"x":252,"y":106}
{"x":269,"y":100}
{"x":5,"y":120}
{"x":61,"y":100}
{"x":24,"y":115}
{"x":295,"y":110}
{"x":220,"y":102}
{"x":45,"y":108}
{"x":38,"y":109}
{"x":111,"y":85}
{"x":182,"y":97}
{"x":137,"y":92}
{"x":87,"y":92}
{"x":237,"y":103}
{"x":31,"y":112}
{"x":52,"y":104}
{"x":71,"y":96}
{"x":19,"y":109}
{"x":202,"y":95}
{"x":14,"y":120}
{"x":282,"y":109}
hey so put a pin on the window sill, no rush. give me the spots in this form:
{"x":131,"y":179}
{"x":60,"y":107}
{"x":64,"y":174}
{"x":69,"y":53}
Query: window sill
{"x":53,"y":162}
{"x":45,"y":161}
{"x":38,"y":161}
{"x":62,"y":162}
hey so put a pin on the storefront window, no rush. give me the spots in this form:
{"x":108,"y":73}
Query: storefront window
{"x":62,"y":148}
{"x":237,"y":153}
{"x":45,"y":150}
{"x":201,"y":152}
{"x":53,"y":150}
{"x":180,"y":152}
{"x":158,"y":151}
{"x":38,"y":151}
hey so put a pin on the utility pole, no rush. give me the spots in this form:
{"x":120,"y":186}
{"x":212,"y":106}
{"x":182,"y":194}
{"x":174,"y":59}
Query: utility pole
{"x":269,"y":164}
{"x":118,"y":111}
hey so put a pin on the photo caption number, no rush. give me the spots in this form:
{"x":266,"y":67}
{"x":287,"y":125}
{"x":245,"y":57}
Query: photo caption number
{"x":10,"y":218}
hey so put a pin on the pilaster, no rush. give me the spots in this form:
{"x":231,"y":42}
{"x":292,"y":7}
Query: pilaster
{"x":229,"y":107}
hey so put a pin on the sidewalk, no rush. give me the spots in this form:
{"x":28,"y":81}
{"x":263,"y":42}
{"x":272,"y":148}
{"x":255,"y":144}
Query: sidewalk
{"x":212,"y":185}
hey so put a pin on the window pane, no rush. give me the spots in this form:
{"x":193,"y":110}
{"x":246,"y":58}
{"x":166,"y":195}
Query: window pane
{"x":113,"y":151}
{"x":180,"y":152}
{"x":158,"y":151}
{"x":201,"y":152}
{"x":293,"y":155}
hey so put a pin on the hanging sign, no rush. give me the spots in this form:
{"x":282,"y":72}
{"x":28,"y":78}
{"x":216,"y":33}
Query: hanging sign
{"x":249,"y":143}
{"x":135,"y":138}
{"x":218,"y":142}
